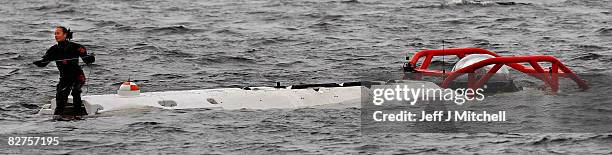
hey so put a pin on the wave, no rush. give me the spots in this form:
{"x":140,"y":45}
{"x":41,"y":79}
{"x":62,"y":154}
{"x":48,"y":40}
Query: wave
{"x":271,"y":41}
{"x":29,"y":106}
{"x":589,"y":56}
{"x":477,"y":3}
{"x":507,"y":19}
{"x":350,"y":1}
{"x":146,"y":47}
{"x":590,"y":3}
{"x":590,"y":47}
{"x":67,"y":11}
{"x":123,"y":28}
{"x":172,"y":30}
{"x":548,"y":140}
{"x":176,"y":53}
{"x":152,"y":58}
{"x":167,"y":76}
{"x":8,"y":54}
{"x":53,"y":6}
{"x":105,"y":23}
{"x":11,"y":56}
{"x":228,"y":32}
{"x":141,"y":124}
{"x":289,"y":64}
{"x":7,"y":72}
{"x":483,"y":2}
{"x":604,"y":31}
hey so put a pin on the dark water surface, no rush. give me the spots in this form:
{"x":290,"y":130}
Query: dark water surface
{"x":183,"y":44}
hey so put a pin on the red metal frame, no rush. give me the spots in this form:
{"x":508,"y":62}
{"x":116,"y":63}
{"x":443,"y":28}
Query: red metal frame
{"x":549,"y":76}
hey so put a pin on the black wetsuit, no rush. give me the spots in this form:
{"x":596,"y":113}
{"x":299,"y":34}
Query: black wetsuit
{"x":66,"y":56}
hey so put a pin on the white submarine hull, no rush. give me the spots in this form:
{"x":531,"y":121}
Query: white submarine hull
{"x":228,"y":98}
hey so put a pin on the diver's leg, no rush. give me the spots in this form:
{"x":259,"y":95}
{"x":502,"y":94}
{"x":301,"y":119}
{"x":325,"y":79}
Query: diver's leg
{"x":77,"y":103}
{"x":61,"y":96}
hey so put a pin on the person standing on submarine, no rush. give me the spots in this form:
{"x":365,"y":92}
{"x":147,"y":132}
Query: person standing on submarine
{"x":66,"y":56}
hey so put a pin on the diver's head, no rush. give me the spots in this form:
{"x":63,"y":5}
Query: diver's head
{"x":62,"y":34}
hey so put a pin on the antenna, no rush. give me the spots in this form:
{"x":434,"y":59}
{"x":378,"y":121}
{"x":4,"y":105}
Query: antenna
{"x":443,"y":63}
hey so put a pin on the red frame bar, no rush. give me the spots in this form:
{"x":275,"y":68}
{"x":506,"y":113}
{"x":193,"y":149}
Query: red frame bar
{"x":429,"y":54}
{"x":550,"y":77}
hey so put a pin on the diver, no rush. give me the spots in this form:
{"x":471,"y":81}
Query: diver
{"x":66,"y":56}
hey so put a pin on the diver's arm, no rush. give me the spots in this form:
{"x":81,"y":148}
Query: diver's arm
{"x":87,"y":58}
{"x":45,"y":59}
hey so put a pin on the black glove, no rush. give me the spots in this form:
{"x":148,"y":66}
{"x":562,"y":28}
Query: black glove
{"x":89,"y":59}
{"x":40,"y":63}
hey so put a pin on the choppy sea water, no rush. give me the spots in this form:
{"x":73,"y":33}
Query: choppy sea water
{"x":181,"y":45}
